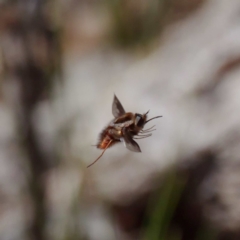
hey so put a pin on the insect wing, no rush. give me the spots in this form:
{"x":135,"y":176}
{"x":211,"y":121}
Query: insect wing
{"x":117,"y":108}
{"x":129,"y":143}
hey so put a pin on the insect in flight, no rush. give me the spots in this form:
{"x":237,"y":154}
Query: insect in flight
{"x":125,"y":127}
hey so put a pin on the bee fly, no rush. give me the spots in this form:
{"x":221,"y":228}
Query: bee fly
{"x":124,"y":128}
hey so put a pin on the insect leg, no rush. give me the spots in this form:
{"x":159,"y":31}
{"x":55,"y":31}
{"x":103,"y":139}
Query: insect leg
{"x":148,"y":131}
{"x":128,"y":141}
{"x":142,"y":136}
{"x":148,"y":128}
{"x":101,"y":154}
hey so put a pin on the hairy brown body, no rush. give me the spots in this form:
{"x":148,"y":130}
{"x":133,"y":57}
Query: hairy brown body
{"x":113,"y":132}
{"x":105,"y":137}
{"x":125,"y":127}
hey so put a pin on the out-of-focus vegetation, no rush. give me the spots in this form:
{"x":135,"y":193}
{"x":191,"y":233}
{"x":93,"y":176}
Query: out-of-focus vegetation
{"x":139,"y":23}
{"x":162,"y":208}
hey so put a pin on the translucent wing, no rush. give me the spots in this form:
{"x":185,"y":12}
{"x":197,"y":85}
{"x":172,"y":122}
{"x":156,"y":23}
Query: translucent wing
{"x":117,"y":108}
{"x":128,"y":142}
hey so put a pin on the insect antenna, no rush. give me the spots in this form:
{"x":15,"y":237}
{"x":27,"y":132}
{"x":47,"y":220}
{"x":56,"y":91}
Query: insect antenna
{"x":147,"y":112}
{"x":152,"y":118}
{"x":101,"y":154}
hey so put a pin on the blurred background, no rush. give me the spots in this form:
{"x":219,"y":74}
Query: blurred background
{"x":61,"y":62}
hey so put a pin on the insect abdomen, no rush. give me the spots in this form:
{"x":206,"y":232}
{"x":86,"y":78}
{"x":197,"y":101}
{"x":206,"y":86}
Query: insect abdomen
{"x":105,"y":138}
{"x":104,"y":142}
